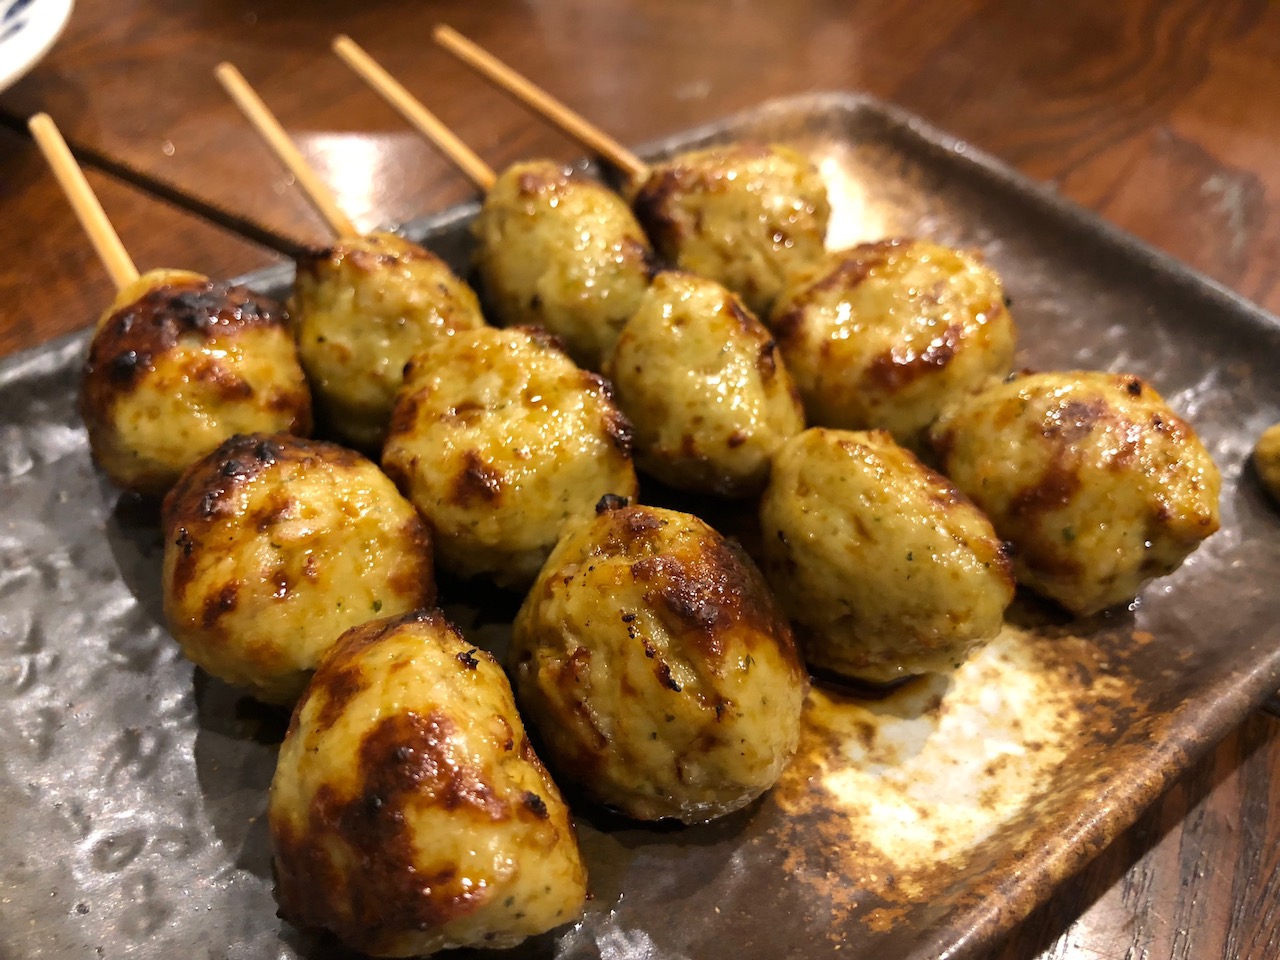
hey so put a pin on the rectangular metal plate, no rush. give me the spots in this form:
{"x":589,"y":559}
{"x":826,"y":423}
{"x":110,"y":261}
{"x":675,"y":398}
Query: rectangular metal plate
{"x":133,"y":787}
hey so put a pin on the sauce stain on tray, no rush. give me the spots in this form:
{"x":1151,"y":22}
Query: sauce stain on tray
{"x":901,"y":791}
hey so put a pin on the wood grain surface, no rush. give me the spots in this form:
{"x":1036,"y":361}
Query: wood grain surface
{"x":50,"y":279}
{"x":1161,"y":116}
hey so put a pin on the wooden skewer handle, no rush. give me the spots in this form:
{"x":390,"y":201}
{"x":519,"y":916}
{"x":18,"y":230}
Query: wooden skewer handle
{"x":83,"y":201}
{"x":537,"y":99}
{"x":285,"y":149}
{"x":409,"y":107}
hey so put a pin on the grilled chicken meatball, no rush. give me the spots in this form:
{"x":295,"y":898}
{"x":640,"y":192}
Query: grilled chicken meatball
{"x":1096,"y":482}
{"x":703,"y":384}
{"x":886,"y":570}
{"x":564,"y":252}
{"x":274,"y":546}
{"x":408,"y":811}
{"x":1266,"y":460}
{"x":656,"y":668}
{"x":884,"y":334}
{"x":177,"y":365}
{"x":361,"y":309}
{"x":744,"y":215}
{"x":499,"y":440}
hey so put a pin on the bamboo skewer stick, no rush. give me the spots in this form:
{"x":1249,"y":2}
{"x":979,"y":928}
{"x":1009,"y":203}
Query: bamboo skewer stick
{"x":269,"y":128}
{"x":105,"y":240}
{"x":418,"y":116}
{"x":537,"y":99}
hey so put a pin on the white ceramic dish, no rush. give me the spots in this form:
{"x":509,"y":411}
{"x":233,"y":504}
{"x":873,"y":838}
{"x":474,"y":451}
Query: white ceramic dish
{"x":28,"y":28}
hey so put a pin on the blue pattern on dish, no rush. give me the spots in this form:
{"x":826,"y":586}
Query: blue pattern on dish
{"x":13,"y":18}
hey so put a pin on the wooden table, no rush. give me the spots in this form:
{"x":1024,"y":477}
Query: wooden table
{"x":1160,"y":116}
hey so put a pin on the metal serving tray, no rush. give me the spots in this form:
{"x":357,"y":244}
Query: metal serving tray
{"x":132,"y":787}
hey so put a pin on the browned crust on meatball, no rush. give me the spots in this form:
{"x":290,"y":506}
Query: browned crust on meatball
{"x":542,"y":337}
{"x":704,"y":594}
{"x":603,"y":386}
{"x":219,"y":604}
{"x":314,"y":263}
{"x":767,"y":362}
{"x":899,"y":367}
{"x":476,"y":482}
{"x":128,"y":342}
{"x":405,"y":759}
{"x":854,"y":267}
{"x":341,"y":677}
{"x":136,"y":345}
{"x":404,"y":414}
{"x":544,"y":177}
{"x":132,"y":336}
{"x":619,"y":430}
{"x":205,"y":488}
{"x":208,"y":491}
{"x":616,"y":425}
{"x":1066,"y":424}
{"x":668,"y":182}
{"x":744,"y":318}
{"x":653,"y":201}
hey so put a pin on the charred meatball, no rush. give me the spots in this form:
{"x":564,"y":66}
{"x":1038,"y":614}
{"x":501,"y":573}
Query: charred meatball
{"x":1266,"y":460}
{"x":886,"y":569}
{"x":745,"y":215}
{"x":177,"y":365}
{"x":564,"y":252}
{"x":1096,"y":482}
{"x":499,"y":440}
{"x":656,"y":668}
{"x":408,"y":812}
{"x":705,"y":388}
{"x":883,"y":335}
{"x":274,"y":546}
{"x":361,"y":309}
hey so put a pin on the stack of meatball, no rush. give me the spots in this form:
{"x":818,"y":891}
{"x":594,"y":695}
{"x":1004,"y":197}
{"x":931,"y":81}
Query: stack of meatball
{"x":660,"y":669}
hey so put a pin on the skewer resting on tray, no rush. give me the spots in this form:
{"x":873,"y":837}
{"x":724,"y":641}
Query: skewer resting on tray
{"x":495,"y":435}
{"x":178,"y":363}
{"x":880,"y":336}
{"x":564,"y":251}
{"x":745,"y":215}
{"x":555,"y":249}
{"x":365,"y":305}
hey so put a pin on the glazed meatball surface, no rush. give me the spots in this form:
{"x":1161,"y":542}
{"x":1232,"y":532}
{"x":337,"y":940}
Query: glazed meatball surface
{"x":149,"y":282}
{"x":177,"y":365}
{"x":744,"y":215}
{"x":361,"y":309}
{"x":564,"y":252}
{"x":704,"y":386}
{"x":499,"y":440}
{"x":408,"y":812}
{"x":653,"y":662}
{"x":886,"y":570}
{"x":274,"y":546}
{"x":1266,"y":460}
{"x":885,"y":334}
{"x":1098,"y":485}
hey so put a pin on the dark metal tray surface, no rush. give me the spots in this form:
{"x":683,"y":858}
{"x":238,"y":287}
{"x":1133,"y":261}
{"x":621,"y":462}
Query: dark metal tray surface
{"x":133,"y":787}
